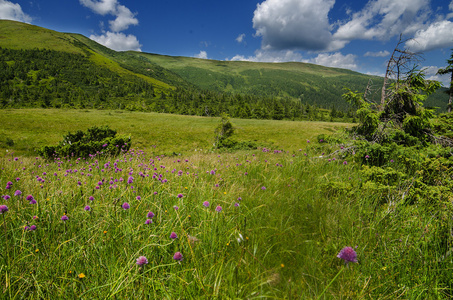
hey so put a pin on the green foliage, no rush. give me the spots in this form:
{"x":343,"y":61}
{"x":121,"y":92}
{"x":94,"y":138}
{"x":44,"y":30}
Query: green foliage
{"x":95,"y":141}
{"x":223,"y":137}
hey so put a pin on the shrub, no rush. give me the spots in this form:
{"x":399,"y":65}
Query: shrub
{"x":95,"y":141}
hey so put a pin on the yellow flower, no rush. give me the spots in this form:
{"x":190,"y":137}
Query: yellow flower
{"x":282,"y":265}
{"x":224,"y":193}
{"x":105,"y":231}
{"x":81,"y":275}
{"x":186,"y":187}
{"x":37,"y":250}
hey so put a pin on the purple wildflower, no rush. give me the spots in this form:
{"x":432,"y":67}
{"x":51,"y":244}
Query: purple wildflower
{"x":130,"y":180}
{"x":218,"y":208}
{"x":180,"y":195}
{"x":263,"y":188}
{"x":206,"y":204}
{"x":345,"y":163}
{"x":173,"y":236}
{"x":6,"y":197}
{"x":150,"y":215}
{"x":17,"y":193}
{"x":142,"y":260}
{"x":176,"y":207}
{"x":87,"y":208}
{"x":91,"y":198}
{"x":148,"y":221}
{"x":236,"y":204}
{"x":64,"y":218}
{"x":29,"y":198}
{"x":32,"y":228}
{"x":125,"y":206}
{"x":348,"y":255}
{"x":3,"y":209}
{"x":178,"y":256}
{"x":139,"y":198}
{"x":33,"y":201}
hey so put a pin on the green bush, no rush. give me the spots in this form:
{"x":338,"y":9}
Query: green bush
{"x":95,"y":141}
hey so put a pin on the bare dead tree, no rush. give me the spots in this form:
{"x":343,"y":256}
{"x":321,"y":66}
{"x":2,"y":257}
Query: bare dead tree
{"x":397,"y":67}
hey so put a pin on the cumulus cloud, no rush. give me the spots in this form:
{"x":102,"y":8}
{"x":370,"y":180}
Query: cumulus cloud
{"x":293,"y":24}
{"x":124,"y":18}
{"x":384,"y":53}
{"x":202,"y":54}
{"x":13,"y":11}
{"x":437,"y":35}
{"x":336,"y":60}
{"x":117,"y":41}
{"x":240,"y":38}
{"x":382,"y":19}
{"x":270,"y":56}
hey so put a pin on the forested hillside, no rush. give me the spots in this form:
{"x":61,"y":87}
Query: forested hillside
{"x":44,"y":68}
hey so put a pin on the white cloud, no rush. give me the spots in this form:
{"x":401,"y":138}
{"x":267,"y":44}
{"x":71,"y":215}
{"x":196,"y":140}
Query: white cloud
{"x":270,"y":56}
{"x":117,"y":41}
{"x":381,"y":53}
{"x":202,"y":54}
{"x":240,"y":38}
{"x":431,"y":74}
{"x":437,"y":35}
{"x":124,"y":18}
{"x":13,"y":11}
{"x":293,"y":24}
{"x":336,"y":60}
{"x":101,"y":7}
{"x":383,"y":19}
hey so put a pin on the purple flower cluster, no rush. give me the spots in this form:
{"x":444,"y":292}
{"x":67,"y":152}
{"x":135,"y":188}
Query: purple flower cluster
{"x":348,"y":255}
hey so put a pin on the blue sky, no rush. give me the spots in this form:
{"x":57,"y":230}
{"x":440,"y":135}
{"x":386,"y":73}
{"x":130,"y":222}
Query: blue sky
{"x":354,"y":34}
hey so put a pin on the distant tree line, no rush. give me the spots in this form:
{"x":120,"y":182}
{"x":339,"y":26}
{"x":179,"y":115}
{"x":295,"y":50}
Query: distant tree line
{"x":55,"y":79}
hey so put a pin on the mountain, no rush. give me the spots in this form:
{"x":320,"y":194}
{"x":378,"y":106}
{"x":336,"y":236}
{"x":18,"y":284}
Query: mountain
{"x":45,"y":68}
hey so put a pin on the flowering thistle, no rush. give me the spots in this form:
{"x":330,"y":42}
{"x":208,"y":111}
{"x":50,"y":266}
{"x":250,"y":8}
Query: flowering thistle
{"x":150,"y":215}
{"x":148,"y":221}
{"x":178,"y":256}
{"x":125,"y":206}
{"x":206,"y":204}
{"x":176,"y":207}
{"x":218,"y":208}
{"x":32,"y":228}
{"x":91,"y":198}
{"x":3,"y":209}
{"x":64,"y":218}
{"x":142,"y":260}
{"x":180,"y":195}
{"x":29,"y":198}
{"x":173,"y":236}
{"x":17,"y":193}
{"x":6,"y":197}
{"x":348,"y":255}
{"x":87,"y":208}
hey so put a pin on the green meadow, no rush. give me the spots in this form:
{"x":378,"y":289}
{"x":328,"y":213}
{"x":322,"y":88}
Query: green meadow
{"x":24,"y":130}
{"x":251,"y":224}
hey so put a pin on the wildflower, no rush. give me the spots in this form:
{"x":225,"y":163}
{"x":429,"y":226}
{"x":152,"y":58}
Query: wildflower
{"x":130,"y":180}
{"x":87,"y":208}
{"x":240,"y":238}
{"x":239,"y":198}
{"x":348,"y":255}
{"x":367,"y":156}
{"x":236,"y":204}
{"x":29,"y":198}
{"x":142,"y":260}
{"x":81,"y":275}
{"x":150,"y":215}
{"x":91,"y":198}
{"x":148,"y":221}
{"x":263,"y":188}
{"x":173,"y":236}
{"x":64,"y":218}
{"x":33,"y":201}
{"x":6,"y":197}
{"x":17,"y":193}
{"x":32,"y":228}
{"x":206,"y":204}
{"x":3,"y":209}
{"x":35,"y":217}
{"x":218,"y":208}
{"x":180,"y":195}
{"x":139,"y":198}
{"x":176,"y":207}
{"x":125,"y":206}
{"x":345,"y":163}
{"x":178,"y":256}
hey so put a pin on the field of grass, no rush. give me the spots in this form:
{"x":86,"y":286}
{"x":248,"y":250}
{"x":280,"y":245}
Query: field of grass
{"x":29,"y":129}
{"x":251,"y":224}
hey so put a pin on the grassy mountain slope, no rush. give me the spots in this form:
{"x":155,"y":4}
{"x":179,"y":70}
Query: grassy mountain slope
{"x":308,"y":82}
{"x":137,"y":80}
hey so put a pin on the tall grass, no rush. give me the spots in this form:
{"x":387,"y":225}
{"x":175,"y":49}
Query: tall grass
{"x":284,"y":217}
